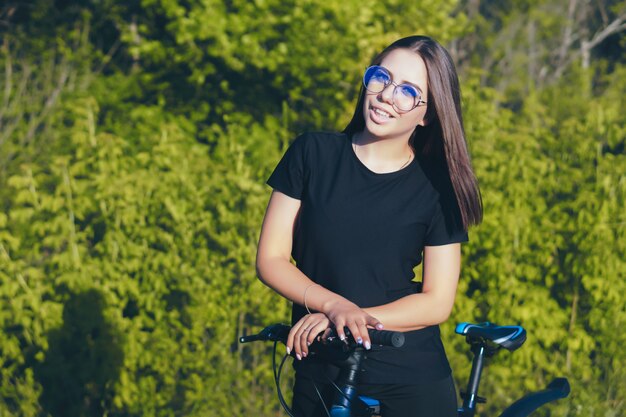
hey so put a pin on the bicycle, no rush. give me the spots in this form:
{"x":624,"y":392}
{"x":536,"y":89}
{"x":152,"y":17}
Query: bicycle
{"x":485,"y":339}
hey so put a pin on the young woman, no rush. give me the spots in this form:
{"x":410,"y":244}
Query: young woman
{"x":359,"y":210}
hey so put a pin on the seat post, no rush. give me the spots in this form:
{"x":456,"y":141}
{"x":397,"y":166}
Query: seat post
{"x":469,"y":402}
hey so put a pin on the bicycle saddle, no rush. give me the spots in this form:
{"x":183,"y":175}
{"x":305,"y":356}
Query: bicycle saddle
{"x":508,"y":337}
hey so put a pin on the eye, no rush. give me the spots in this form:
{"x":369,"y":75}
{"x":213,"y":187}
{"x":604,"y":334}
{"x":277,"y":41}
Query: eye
{"x":380,"y":75}
{"x":409,"y":91}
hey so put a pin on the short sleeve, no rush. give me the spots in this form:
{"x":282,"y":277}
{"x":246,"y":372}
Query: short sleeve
{"x":288,"y":176}
{"x":444,"y":229}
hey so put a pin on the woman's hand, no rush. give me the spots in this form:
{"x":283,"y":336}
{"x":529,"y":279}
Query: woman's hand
{"x":341,"y":314}
{"x":344,"y":313}
{"x":304,"y":332}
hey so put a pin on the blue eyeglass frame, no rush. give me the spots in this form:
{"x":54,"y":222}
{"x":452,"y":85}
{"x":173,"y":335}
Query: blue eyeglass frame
{"x":395,"y":86}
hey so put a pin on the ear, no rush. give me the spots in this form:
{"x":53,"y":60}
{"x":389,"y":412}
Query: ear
{"x":425,"y":121}
{"x":428,"y":117}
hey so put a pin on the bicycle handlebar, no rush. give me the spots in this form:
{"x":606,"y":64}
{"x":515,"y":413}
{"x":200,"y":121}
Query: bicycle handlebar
{"x":279,"y":333}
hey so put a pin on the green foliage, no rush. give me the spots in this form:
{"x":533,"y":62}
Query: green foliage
{"x":550,"y":254}
{"x":156,"y":227}
{"x":209,"y":59}
{"x":136,"y":140}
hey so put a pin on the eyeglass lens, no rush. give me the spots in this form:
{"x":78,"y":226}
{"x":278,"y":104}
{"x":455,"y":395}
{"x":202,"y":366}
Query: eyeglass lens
{"x":377,"y":78}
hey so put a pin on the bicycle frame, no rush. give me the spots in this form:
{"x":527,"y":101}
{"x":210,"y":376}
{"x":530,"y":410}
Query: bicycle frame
{"x":346,"y":403}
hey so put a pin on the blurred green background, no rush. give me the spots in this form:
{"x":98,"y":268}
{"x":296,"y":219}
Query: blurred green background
{"x":135,"y":140}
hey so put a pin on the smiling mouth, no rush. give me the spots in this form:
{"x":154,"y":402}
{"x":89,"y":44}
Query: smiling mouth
{"x":381,"y":113}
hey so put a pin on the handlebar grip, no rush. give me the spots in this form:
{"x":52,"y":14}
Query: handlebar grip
{"x":275,"y":333}
{"x":251,"y":338}
{"x":386,"y":338}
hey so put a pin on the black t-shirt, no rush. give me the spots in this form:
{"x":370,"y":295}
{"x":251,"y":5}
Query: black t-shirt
{"x":360,"y":234}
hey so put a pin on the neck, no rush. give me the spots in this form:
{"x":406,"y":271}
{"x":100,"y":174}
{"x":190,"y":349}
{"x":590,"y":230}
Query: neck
{"x":389,"y":150}
{"x":382,"y":155}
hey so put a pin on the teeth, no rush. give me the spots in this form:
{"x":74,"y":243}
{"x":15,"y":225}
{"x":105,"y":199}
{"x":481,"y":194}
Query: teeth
{"x":381,"y":113}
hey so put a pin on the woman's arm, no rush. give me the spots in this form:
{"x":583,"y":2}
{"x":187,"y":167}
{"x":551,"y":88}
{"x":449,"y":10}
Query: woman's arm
{"x":277,"y":272}
{"x":442,"y":266}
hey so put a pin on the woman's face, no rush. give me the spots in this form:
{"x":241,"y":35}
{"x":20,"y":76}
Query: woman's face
{"x":382,"y":118}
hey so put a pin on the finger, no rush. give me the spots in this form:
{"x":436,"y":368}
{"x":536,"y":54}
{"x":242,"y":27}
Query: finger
{"x":300,"y":340}
{"x":356,"y":333}
{"x":315,"y":331}
{"x":301,"y":335}
{"x":313,"y":328}
{"x":326,"y":333}
{"x":374,"y":323}
{"x":294,"y":335}
{"x":291,"y":337}
{"x":339,"y":325}
{"x":304,"y":341}
{"x":365,"y":335}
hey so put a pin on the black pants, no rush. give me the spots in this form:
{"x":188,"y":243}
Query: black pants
{"x":432,"y":399}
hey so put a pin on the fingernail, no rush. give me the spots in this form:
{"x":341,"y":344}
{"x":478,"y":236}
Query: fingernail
{"x":359,"y":340}
{"x":379,"y":326}
{"x":288,"y":350}
{"x":368,"y":346}
{"x":308,"y":343}
{"x":342,"y":337}
{"x":299,"y":357}
{"x":304,"y":354}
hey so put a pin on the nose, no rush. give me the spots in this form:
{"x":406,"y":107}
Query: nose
{"x":387,"y":94}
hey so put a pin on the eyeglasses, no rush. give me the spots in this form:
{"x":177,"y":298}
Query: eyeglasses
{"x":406,"y":97}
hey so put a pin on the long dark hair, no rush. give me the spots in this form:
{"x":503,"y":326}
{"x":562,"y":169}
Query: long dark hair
{"x":440,"y":146}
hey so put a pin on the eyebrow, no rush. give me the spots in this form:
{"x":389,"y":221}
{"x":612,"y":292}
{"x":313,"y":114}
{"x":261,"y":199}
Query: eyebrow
{"x":405,"y":81}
